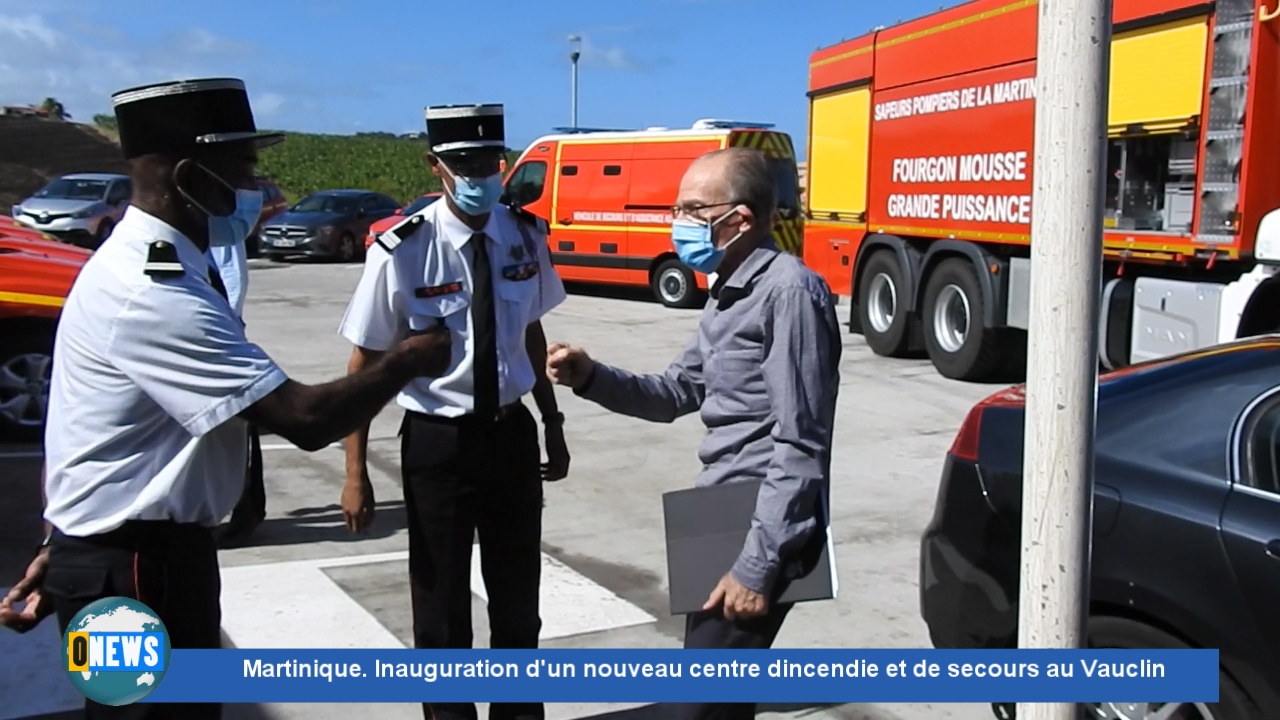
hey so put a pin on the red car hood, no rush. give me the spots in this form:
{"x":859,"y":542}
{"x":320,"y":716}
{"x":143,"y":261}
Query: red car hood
{"x":14,"y":237}
{"x":36,"y":273}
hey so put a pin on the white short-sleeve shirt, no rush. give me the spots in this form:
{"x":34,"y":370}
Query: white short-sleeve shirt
{"x":426,"y":280}
{"x":149,"y":375}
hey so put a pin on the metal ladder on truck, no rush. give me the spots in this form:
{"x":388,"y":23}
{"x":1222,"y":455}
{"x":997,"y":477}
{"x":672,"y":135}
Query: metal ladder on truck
{"x":1224,"y":130}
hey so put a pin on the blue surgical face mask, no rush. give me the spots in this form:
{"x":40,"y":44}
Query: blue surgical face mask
{"x":474,"y":196}
{"x":233,"y":229}
{"x":695,"y":245}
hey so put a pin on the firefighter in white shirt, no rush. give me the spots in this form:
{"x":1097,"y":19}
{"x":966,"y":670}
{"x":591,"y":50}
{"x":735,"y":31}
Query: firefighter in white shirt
{"x":471,"y":460}
{"x":154,"y":383}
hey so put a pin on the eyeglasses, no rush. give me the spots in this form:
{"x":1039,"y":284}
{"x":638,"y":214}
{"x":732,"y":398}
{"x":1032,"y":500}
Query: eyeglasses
{"x":690,"y":210}
{"x":474,"y":165}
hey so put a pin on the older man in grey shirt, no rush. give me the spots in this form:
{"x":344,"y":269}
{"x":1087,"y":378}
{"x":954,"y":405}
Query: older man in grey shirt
{"x":763,"y":371}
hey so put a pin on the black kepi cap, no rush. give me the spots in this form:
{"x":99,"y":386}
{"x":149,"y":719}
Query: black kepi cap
{"x":466,"y":129}
{"x":184,"y":115}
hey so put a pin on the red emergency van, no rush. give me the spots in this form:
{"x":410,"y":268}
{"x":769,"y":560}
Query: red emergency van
{"x":607,"y":195}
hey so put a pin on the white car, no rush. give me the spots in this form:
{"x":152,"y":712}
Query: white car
{"x":80,"y":209}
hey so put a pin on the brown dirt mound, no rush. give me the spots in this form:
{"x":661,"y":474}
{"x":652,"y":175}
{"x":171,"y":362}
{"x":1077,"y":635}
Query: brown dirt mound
{"x":34,"y":151}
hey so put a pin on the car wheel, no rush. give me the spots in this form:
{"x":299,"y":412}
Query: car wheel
{"x":25,"y":366}
{"x":347,"y":248}
{"x":675,"y":285}
{"x":1124,"y":634}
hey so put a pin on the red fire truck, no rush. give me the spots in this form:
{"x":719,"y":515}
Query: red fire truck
{"x":918,"y":201}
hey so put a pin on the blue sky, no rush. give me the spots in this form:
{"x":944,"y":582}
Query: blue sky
{"x":342,"y":66}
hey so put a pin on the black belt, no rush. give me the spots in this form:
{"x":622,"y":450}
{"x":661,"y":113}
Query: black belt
{"x":134,"y":532}
{"x":504,"y":412}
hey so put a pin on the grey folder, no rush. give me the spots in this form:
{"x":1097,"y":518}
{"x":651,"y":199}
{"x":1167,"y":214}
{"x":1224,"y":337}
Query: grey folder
{"x":705,"y":529}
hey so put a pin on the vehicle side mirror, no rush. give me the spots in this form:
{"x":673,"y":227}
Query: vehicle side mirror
{"x":1266,"y":246}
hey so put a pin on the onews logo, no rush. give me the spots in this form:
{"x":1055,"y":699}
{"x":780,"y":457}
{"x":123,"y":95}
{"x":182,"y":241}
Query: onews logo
{"x":116,"y":651}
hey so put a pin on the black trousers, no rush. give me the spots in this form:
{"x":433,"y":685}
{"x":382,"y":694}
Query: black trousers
{"x":463,"y":477}
{"x":711,"y":631}
{"x":170,"y":568}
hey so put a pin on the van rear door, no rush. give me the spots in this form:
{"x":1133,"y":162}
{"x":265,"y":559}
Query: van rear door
{"x":779,"y":150}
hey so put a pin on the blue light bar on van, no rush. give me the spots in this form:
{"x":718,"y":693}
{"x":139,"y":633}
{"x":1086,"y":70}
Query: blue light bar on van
{"x":580,"y":130}
{"x":713,"y":123}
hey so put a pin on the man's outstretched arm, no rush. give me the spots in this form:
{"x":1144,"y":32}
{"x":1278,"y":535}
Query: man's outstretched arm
{"x":657,"y":397}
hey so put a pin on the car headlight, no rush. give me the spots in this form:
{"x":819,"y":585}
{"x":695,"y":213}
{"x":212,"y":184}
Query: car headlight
{"x":82,"y":214}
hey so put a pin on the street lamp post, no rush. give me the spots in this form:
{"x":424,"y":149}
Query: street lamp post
{"x":575,"y":52}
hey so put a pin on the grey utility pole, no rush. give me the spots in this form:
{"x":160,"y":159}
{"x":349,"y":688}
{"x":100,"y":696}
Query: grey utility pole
{"x":1072,"y":65}
{"x":575,"y":52}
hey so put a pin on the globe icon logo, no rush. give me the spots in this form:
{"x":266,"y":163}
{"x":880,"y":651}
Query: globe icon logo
{"x":116,"y":651}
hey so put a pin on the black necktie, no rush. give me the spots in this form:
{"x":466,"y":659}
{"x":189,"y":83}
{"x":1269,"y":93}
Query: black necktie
{"x":483,"y":323}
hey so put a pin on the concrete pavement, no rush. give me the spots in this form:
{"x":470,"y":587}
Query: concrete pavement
{"x":604,"y":556}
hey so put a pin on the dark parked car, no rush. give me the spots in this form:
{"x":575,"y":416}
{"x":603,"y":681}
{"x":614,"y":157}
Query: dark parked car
{"x":384,"y":225}
{"x":273,"y":203}
{"x":1186,"y":533}
{"x":330,"y":224}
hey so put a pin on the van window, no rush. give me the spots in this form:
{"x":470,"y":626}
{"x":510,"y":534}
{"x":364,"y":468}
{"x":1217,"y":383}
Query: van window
{"x":569,"y":170}
{"x":526,"y":185}
{"x":612,"y":169}
{"x":788,"y":185}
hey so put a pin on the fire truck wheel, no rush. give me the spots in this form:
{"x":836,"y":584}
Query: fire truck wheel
{"x":886,"y":324}
{"x":674,"y":285}
{"x":958,"y":344}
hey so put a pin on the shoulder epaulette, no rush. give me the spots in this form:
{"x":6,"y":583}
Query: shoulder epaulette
{"x":525,"y":216}
{"x":162,"y":260}
{"x":392,"y":238}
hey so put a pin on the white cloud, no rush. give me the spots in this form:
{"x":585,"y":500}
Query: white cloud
{"x":30,"y":28}
{"x":59,"y":55}
{"x":613,"y":57}
{"x":267,"y":104}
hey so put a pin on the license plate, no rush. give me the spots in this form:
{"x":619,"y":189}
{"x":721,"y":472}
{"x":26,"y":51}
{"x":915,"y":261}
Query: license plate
{"x":282,"y":242}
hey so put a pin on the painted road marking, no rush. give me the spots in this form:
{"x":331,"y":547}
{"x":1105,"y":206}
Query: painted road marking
{"x":280,"y":605}
{"x":571,"y":604}
{"x":32,"y":679}
{"x":285,"y":605}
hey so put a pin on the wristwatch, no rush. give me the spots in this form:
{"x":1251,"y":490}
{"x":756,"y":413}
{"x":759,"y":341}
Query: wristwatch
{"x":555,"y":418}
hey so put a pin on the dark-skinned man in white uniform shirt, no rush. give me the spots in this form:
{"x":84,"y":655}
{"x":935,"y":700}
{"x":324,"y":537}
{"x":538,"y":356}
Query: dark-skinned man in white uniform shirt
{"x":470,"y":457}
{"x":154,"y":384}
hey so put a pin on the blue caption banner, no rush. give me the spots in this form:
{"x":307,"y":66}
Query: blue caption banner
{"x":654,"y":676}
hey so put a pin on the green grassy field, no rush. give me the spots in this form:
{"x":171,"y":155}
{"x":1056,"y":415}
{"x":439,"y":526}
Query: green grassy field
{"x":305,"y":163}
